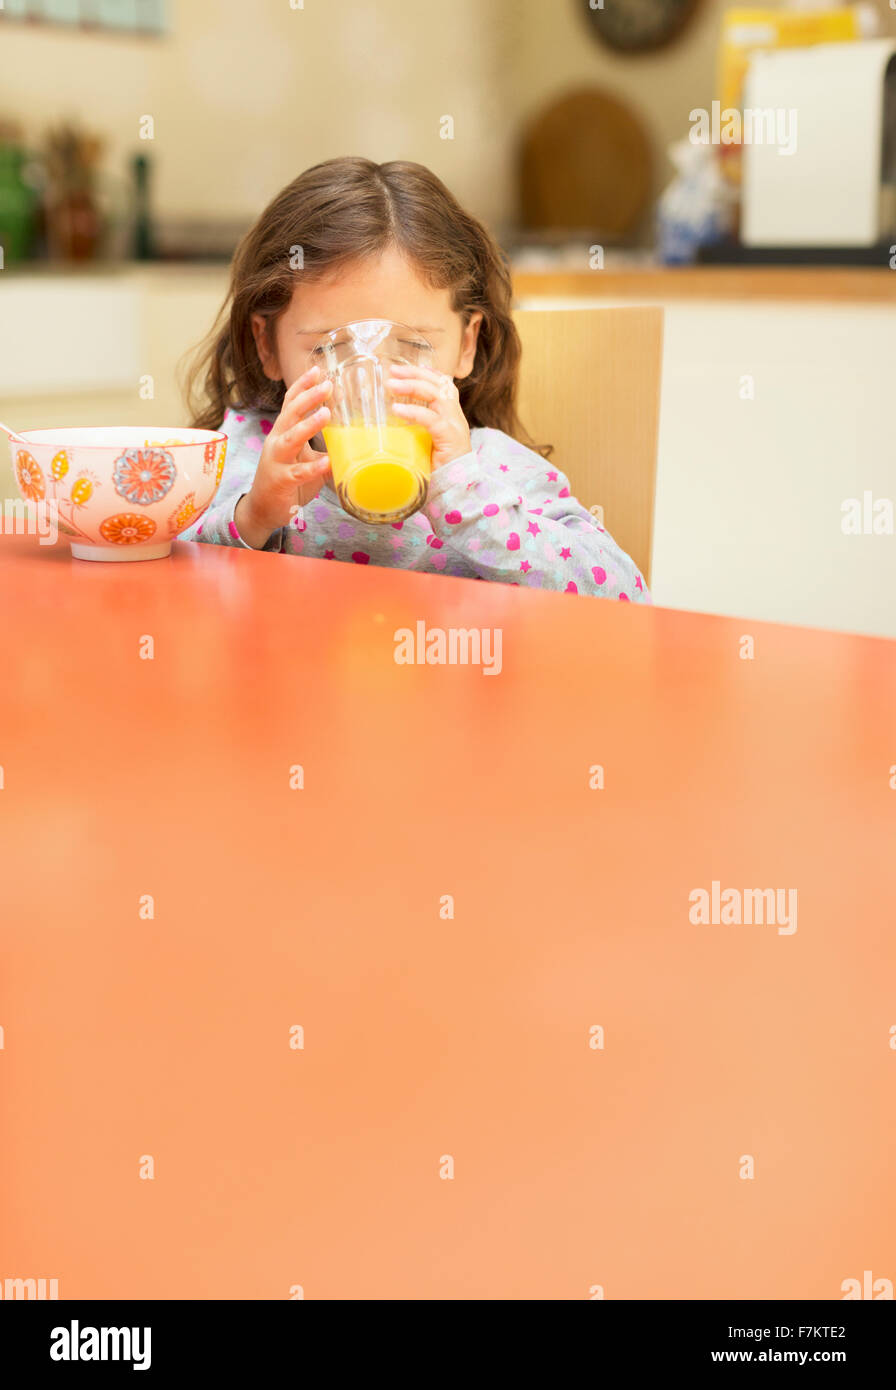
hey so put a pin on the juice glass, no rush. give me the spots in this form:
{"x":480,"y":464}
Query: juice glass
{"x":380,"y":463}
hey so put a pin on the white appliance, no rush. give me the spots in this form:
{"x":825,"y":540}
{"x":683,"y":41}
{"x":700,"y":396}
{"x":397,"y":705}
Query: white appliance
{"x":835,"y":104}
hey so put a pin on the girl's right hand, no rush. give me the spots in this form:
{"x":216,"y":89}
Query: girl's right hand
{"x":289,"y":471}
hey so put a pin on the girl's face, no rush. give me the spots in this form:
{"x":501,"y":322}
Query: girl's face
{"x":385,"y":287}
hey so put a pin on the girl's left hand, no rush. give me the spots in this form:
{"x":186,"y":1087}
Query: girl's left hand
{"x":441,"y":414}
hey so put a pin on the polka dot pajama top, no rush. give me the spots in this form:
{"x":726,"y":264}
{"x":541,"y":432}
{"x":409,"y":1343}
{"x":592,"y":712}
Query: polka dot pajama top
{"x":501,"y":512}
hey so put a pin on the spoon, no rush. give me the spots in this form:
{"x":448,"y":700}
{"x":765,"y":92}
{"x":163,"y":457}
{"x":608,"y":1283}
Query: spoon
{"x":17,"y":438}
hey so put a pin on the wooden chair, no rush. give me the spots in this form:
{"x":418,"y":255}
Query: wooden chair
{"x":590,"y":385}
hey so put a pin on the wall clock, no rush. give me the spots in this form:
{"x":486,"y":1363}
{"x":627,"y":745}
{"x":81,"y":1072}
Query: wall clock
{"x":636,"y":26}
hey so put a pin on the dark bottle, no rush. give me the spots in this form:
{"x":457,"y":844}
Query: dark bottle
{"x":144,"y":249}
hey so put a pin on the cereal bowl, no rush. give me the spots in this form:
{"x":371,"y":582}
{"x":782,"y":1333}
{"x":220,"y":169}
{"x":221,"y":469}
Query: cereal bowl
{"x":119,"y":492}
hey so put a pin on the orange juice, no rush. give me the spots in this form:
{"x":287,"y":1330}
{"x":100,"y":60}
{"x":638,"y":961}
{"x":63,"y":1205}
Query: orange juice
{"x":378,"y":468}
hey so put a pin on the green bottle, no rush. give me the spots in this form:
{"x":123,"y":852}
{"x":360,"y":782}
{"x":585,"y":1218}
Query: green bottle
{"x":17,"y":206}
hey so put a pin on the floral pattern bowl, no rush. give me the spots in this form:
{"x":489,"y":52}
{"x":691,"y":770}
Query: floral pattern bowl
{"x":119,"y":492}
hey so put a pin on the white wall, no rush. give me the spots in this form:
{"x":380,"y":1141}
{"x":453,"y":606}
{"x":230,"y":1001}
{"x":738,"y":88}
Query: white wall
{"x":244,"y":96}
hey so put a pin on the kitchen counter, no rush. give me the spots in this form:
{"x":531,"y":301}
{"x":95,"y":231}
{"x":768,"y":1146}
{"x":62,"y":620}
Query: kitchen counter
{"x":623,"y":278}
{"x":853,"y":284}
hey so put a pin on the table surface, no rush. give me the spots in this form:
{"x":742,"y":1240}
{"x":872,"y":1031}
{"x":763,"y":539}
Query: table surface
{"x":449,"y":1129}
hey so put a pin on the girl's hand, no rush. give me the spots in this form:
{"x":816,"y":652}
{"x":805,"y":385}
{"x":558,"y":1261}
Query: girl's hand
{"x":289,"y":471}
{"x":441,"y":414}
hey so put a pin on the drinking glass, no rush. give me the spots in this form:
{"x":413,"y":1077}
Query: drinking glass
{"x":380,"y":463}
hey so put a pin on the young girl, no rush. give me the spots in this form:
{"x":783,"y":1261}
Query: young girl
{"x":347,"y":240}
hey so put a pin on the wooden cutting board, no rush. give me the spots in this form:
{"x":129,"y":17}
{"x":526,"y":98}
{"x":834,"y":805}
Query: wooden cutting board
{"x":585,"y":165}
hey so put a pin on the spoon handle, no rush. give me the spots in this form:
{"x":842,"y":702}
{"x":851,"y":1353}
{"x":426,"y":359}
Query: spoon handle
{"x":17,"y":438}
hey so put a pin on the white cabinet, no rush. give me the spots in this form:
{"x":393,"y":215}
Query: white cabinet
{"x":774,"y":414}
{"x":100,"y":346}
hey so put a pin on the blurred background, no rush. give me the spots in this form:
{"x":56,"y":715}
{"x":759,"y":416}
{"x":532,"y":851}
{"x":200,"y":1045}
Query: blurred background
{"x":139,"y":139}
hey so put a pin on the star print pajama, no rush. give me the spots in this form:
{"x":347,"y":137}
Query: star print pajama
{"x":500,"y":512}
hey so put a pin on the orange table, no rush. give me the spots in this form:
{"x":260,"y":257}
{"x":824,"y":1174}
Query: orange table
{"x":427,"y":1038}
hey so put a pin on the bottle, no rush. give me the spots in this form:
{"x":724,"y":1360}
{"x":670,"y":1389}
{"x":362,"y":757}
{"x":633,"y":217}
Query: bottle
{"x":144,"y":248}
{"x":17,"y":205}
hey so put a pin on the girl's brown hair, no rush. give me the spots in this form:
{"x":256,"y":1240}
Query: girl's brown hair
{"x":339,"y":212}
